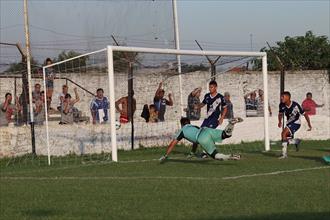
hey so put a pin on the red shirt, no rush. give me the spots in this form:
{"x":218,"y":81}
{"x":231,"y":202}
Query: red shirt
{"x":309,"y":106}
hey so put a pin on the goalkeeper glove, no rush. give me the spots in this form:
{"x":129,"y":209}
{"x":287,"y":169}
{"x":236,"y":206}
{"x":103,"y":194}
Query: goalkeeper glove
{"x":163,"y":158}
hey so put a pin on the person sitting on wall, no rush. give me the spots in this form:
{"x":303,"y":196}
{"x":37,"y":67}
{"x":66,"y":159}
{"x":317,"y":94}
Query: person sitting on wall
{"x":153,"y":114}
{"x":39,"y":109}
{"x":309,"y":105}
{"x":67,"y":109}
{"x":160,"y":102}
{"x":99,"y":107}
{"x":125,"y":114}
{"x":230,"y":108}
{"x":7,"y":109}
{"x":36,"y":93}
{"x":260,"y":109}
{"x":251,"y":104}
{"x":61,"y":96}
{"x":193,"y":111}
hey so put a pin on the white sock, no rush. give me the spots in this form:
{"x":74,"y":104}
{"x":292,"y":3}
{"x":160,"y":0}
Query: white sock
{"x":292,"y":141}
{"x":284,"y":148}
{"x":221,"y":157}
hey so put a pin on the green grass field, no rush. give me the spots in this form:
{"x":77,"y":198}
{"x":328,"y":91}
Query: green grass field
{"x":260,"y":186}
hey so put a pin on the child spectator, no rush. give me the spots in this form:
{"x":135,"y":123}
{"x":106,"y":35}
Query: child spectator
{"x":230,"y":108}
{"x":99,"y":107}
{"x":153,"y":114}
{"x":260,"y":100}
{"x":125,"y":114}
{"x":61,"y":96}
{"x":36,"y":93}
{"x":309,"y":105}
{"x":7,"y":109}
{"x":251,"y":104}
{"x":67,"y":113}
{"x":39,"y":109}
{"x":193,"y":111}
{"x":160,"y":102}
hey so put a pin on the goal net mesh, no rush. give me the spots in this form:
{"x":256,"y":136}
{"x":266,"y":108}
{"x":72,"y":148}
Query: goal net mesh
{"x":78,"y":113}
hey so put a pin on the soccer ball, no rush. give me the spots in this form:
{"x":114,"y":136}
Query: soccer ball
{"x":118,"y":125}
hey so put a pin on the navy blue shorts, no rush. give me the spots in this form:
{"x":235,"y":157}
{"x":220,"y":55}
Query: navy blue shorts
{"x":50,"y":84}
{"x":293,"y":127}
{"x":210,"y":123}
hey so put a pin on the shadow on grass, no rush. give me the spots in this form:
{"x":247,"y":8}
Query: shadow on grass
{"x":199,"y":161}
{"x":271,"y":154}
{"x":40,"y":213}
{"x":313,"y":158}
{"x":324,"y":150}
{"x":279,"y":216}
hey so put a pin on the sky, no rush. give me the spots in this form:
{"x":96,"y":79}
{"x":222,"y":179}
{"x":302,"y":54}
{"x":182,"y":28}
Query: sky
{"x":86,"y":25}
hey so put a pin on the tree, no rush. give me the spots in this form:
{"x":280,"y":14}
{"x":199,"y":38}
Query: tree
{"x":73,"y":66}
{"x":19,"y":67}
{"x":309,"y":52}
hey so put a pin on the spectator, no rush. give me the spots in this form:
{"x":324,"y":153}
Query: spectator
{"x":260,"y":109}
{"x":7,"y":109}
{"x":193,"y":111}
{"x":146,"y":113}
{"x":50,"y":76}
{"x":61,"y":96}
{"x":125,"y":114}
{"x":153,"y":114}
{"x":99,"y":107}
{"x":309,"y":105}
{"x":251,"y":104}
{"x":230,"y":108}
{"x":39,"y":109}
{"x":68,"y":110}
{"x":36,"y":93}
{"x":160,"y":102}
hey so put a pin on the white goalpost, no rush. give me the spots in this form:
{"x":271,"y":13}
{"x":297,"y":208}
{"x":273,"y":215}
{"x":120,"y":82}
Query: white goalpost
{"x":112,"y":49}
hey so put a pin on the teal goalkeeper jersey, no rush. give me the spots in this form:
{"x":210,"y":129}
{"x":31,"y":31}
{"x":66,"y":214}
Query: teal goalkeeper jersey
{"x":189,"y":132}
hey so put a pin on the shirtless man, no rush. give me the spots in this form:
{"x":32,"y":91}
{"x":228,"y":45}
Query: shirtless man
{"x":122,"y":107}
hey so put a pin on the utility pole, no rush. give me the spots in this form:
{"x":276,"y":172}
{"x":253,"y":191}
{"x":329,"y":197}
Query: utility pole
{"x":28,"y":64}
{"x":282,"y":75}
{"x":212,"y":62}
{"x":177,"y":46}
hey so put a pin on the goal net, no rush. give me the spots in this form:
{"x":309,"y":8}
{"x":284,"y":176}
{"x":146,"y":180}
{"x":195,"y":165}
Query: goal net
{"x":123,"y":98}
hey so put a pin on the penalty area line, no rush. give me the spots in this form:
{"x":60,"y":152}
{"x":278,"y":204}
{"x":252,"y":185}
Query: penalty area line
{"x":159,"y":177}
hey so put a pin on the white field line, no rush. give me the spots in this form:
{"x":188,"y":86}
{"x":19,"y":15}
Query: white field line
{"x":160,"y":177}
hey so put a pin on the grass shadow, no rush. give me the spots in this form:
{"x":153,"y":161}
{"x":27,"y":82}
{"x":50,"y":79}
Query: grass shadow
{"x":40,"y":213}
{"x":199,"y":161}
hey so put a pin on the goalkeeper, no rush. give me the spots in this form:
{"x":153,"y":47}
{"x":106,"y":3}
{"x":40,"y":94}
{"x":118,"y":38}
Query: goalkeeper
{"x":206,"y":137}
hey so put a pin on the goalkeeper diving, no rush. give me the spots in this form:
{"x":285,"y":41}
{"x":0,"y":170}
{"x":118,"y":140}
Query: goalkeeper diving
{"x":206,"y":137}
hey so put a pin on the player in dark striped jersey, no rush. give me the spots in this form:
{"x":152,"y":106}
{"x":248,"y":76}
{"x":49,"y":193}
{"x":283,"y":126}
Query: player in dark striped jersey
{"x":293,"y":111}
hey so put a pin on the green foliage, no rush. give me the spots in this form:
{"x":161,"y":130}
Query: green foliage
{"x":188,"y":68}
{"x":19,"y":67}
{"x":309,"y":52}
{"x":76,"y":65}
{"x":121,"y":60}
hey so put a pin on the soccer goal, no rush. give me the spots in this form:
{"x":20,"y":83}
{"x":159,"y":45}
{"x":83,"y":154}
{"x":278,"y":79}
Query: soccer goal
{"x":124,"y":98}
{"x":178,"y":77}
